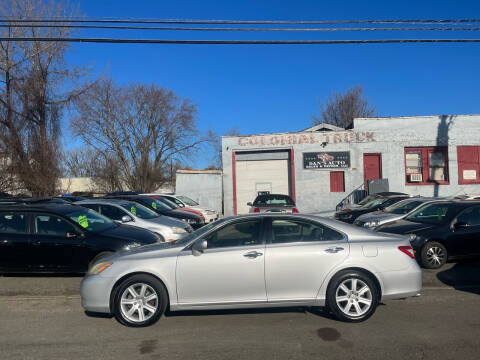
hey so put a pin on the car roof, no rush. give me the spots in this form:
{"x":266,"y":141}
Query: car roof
{"x":55,"y":208}
{"x":103,"y":201}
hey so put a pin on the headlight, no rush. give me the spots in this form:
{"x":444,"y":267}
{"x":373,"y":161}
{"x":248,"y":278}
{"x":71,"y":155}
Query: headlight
{"x":370,"y":224}
{"x":412,"y":237}
{"x":210,"y":212}
{"x":177,"y":230}
{"x":98,"y":268}
{"x":132,"y":246}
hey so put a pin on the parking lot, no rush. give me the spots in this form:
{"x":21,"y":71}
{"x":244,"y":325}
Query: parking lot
{"x":42,"y":319}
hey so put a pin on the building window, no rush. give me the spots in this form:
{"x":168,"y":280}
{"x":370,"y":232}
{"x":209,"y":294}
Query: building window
{"x":468,"y":164}
{"x":337,"y":181}
{"x":426,"y":165}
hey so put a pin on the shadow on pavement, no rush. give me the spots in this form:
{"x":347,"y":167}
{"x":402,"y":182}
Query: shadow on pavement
{"x":463,"y":276}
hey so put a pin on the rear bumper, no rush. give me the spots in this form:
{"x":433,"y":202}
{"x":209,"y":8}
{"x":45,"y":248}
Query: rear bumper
{"x":95,"y":293}
{"x":402,"y":284}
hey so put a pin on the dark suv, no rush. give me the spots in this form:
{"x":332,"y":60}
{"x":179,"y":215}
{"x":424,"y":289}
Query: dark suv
{"x":61,"y":238}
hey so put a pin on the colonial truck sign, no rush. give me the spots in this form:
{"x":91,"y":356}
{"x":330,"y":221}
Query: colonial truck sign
{"x":326,"y":160}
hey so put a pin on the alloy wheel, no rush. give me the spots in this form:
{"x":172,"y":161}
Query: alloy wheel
{"x":139,"y":302}
{"x":353,"y":297}
{"x":435,"y":256}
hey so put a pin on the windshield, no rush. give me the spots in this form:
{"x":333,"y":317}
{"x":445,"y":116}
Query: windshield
{"x":155,"y":204}
{"x":367,"y":200}
{"x":403,"y":207}
{"x":273,"y":200}
{"x":168,"y":203}
{"x":187,"y":200}
{"x":435,"y":213}
{"x":374,"y":202}
{"x":197,"y":233}
{"x":91,"y":220}
{"x":139,"y":210}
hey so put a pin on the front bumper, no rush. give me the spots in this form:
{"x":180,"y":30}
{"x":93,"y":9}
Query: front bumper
{"x":210,"y":218}
{"x":95,"y":293}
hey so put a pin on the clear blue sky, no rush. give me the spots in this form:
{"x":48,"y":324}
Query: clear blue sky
{"x":275,"y":88}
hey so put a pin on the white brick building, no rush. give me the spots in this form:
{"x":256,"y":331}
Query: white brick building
{"x":320,"y":166}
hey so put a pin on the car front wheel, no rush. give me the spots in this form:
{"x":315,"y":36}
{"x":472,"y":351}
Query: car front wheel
{"x":352,"y":296}
{"x":140,"y":300}
{"x":434,"y":255}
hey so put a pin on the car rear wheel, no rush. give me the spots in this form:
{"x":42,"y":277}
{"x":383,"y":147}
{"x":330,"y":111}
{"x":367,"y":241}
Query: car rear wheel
{"x":434,"y":255}
{"x":352,"y":296}
{"x":140,"y":301}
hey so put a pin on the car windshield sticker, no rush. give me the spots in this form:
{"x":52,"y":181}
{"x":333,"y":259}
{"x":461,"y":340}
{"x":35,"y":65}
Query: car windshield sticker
{"x":82,"y":220}
{"x":154,"y":205}
{"x":133,"y":210}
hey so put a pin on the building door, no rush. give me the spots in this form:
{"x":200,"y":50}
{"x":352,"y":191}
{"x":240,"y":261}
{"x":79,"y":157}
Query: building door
{"x":372,"y":167}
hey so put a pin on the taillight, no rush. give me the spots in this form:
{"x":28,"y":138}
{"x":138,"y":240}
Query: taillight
{"x":295,"y":210}
{"x":256,"y":210}
{"x":407,"y":250}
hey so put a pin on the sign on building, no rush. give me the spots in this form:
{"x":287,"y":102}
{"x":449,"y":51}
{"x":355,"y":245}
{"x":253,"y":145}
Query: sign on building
{"x":326,"y":160}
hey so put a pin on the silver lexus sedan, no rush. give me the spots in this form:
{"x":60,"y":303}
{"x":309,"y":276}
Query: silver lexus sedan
{"x":258,"y":260}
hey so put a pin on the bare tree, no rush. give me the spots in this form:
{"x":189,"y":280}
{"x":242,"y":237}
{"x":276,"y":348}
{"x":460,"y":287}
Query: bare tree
{"x":216,"y":143}
{"x":138,"y":129}
{"x":36,"y":85}
{"x":341,"y":109}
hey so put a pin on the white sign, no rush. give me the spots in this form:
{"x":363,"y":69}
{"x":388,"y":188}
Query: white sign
{"x":469,"y":174}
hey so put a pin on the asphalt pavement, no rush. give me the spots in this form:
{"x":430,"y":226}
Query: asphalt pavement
{"x":41,"y":318}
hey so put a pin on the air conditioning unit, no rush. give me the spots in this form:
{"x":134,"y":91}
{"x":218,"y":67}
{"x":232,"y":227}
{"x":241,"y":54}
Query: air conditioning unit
{"x":415,"y":177}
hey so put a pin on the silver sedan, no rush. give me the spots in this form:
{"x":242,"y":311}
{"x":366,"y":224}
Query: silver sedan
{"x":254,"y":261}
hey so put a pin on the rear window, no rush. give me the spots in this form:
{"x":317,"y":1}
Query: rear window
{"x":277,"y":200}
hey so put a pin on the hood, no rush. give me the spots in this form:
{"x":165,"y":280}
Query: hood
{"x":167,"y":221}
{"x":131,"y":233}
{"x":147,"y":251}
{"x":379,"y":216}
{"x":404,"y":227}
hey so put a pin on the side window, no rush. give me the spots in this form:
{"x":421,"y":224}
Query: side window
{"x":238,"y":234}
{"x":470,"y":216}
{"x":12,"y":222}
{"x":112,"y":212}
{"x":52,"y":225}
{"x":287,"y":231}
{"x":94,"y":207}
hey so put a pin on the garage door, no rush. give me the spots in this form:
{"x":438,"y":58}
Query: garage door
{"x":260,"y":175}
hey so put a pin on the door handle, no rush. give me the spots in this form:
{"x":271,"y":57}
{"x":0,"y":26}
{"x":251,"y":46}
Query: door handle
{"x":253,"y":254}
{"x":36,"y":243}
{"x":334,"y":249}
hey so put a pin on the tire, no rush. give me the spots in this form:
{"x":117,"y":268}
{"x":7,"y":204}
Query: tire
{"x":352,"y":296}
{"x":433,"y":255}
{"x":97,"y":257}
{"x":145,"y":312}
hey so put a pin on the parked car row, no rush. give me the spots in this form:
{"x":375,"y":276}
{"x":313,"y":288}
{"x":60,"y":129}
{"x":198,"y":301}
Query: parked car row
{"x":439,"y":230}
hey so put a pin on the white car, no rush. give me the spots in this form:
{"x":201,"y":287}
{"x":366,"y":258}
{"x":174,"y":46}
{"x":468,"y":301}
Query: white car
{"x":135,"y":214}
{"x":184,"y":201}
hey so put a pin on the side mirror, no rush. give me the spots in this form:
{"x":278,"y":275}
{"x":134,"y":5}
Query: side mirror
{"x":249,"y":203}
{"x":126,"y":219}
{"x":199,"y":247}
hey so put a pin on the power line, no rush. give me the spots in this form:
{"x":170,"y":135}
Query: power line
{"x":169,"y":28}
{"x":237,"y":42}
{"x":233,"y":22}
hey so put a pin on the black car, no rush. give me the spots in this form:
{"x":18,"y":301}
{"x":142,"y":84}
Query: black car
{"x":378,"y":203}
{"x":71,"y":198}
{"x":155,"y":204}
{"x":61,"y":238}
{"x":273,"y":203}
{"x":441,"y":232}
